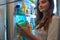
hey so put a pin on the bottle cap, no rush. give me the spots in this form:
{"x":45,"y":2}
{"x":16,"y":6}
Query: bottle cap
{"x":17,"y":6}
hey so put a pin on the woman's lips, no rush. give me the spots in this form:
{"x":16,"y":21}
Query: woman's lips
{"x":41,"y":7}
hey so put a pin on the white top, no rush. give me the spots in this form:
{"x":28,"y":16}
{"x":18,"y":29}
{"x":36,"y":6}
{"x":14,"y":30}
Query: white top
{"x":52,"y":33}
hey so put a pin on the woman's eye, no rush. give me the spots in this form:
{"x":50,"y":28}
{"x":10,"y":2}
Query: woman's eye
{"x":43,"y":1}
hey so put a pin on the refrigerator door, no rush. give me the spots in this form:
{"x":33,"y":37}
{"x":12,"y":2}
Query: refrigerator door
{"x":2,"y":21}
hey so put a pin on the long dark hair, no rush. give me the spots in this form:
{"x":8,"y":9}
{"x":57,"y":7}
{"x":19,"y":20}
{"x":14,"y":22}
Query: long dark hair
{"x":39,"y":14}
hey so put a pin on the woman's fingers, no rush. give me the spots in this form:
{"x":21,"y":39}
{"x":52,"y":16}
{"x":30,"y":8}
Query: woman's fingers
{"x":20,"y":27}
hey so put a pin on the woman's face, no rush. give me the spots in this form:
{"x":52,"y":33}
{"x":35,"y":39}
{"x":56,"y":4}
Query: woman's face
{"x":43,"y":5}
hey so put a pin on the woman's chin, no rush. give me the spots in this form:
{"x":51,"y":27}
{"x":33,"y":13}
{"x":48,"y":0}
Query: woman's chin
{"x":42,"y":10}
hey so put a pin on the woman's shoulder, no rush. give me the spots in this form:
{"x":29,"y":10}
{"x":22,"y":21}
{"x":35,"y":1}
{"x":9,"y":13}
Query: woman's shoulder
{"x":53,"y":28}
{"x":56,"y":17}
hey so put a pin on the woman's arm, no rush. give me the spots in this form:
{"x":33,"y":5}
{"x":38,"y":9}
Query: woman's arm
{"x":33,"y":37}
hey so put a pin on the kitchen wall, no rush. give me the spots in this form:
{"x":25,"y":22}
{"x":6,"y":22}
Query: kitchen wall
{"x":58,"y":7}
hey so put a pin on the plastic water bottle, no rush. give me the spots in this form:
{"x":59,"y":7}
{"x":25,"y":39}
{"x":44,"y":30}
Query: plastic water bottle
{"x":21,"y":20}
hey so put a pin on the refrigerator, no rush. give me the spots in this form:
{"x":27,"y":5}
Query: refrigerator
{"x":7,"y":20}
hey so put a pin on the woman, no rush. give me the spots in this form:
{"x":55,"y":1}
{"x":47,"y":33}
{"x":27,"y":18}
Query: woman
{"x":43,"y":22}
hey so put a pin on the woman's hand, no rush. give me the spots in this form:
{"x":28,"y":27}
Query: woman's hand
{"x":23,"y":31}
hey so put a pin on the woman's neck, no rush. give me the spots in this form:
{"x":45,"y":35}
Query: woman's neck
{"x":47,"y":13}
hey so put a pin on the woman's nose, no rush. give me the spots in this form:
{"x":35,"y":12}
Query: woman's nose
{"x":40,"y":5}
